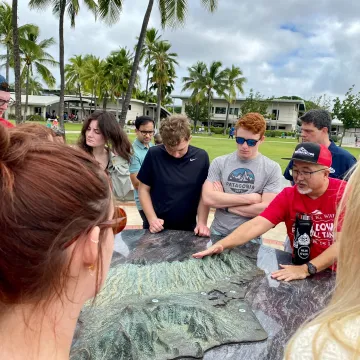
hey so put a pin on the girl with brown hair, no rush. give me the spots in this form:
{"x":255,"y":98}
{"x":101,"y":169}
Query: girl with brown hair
{"x":56,"y":242}
{"x":102,"y":137}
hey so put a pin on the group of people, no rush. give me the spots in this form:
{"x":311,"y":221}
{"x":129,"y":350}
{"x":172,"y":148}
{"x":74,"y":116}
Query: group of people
{"x":58,"y":219}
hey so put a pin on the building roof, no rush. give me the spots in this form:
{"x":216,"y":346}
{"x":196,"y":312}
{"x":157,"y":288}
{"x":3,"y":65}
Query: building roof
{"x":38,"y":100}
{"x":186,"y":97}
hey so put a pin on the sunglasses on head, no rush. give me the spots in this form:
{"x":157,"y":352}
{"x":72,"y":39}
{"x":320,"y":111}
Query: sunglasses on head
{"x":117,"y":223}
{"x":250,"y":142}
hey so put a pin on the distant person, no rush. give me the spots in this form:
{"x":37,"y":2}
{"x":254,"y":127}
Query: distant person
{"x":316,"y":127}
{"x":171,"y":179}
{"x":314,"y":194}
{"x":231,"y":133}
{"x":158,"y":139}
{"x":57,"y":231}
{"x":102,"y":137}
{"x":5,"y":100}
{"x":242,"y":184}
{"x":144,"y":129}
{"x":335,"y":333}
{"x":53,"y":115}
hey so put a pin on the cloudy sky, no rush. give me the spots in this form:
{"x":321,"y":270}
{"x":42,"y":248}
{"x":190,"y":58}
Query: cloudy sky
{"x":284,"y":47}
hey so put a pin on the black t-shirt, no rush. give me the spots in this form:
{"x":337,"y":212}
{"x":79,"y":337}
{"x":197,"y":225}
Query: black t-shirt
{"x":175,"y":184}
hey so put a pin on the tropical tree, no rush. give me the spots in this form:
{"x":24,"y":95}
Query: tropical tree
{"x":117,"y":71}
{"x":234,"y":81}
{"x":151,"y":38}
{"x":197,"y":112}
{"x":172,"y":13}
{"x":16,"y":53}
{"x":74,"y":71}
{"x":213,"y":80}
{"x":194,"y":82}
{"x":93,"y":74}
{"x":255,"y":102}
{"x":59,"y":8}
{"x":34,"y":56}
{"x":163,"y":72}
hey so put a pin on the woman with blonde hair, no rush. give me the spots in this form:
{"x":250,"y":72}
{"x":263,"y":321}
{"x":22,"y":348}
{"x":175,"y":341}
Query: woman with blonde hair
{"x":335,"y":332}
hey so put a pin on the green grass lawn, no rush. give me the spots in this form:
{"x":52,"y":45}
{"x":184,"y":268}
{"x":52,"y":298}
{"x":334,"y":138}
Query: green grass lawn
{"x":217,"y":145}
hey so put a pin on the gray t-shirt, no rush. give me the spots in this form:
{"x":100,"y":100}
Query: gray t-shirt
{"x":259,"y":175}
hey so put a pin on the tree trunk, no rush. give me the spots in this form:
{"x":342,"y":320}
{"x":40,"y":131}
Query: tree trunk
{"x":209,"y":112}
{"x":343,"y":134}
{"x":158,"y":108}
{"x":26,"y":92}
{"x":227,"y":118}
{"x":135,"y":67}
{"x":8,"y":63}
{"x":117,"y":109}
{"x":16,"y":61}
{"x":196,"y":117}
{"x":147,"y":86}
{"x":81,"y":102}
{"x":105,"y":102}
{"x":62,"y":71}
{"x":95,"y":104}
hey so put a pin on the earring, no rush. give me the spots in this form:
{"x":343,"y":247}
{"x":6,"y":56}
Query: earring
{"x":91,"y":269}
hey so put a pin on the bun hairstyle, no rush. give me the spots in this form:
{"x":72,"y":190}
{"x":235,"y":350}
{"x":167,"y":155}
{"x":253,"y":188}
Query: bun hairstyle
{"x":49,"y":195}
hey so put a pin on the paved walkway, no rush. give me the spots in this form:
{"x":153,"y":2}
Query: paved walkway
{"x":274,"y":238}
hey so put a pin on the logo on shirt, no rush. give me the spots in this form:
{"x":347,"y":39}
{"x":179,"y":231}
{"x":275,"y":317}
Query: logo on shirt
{"x":241,"y":180}
{"x":303,"y":151}
{"x":193,"y":159}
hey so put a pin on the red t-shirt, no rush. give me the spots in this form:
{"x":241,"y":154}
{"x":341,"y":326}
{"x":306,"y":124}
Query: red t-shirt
{"x":6,"y":123}
{"x":322,"y":211}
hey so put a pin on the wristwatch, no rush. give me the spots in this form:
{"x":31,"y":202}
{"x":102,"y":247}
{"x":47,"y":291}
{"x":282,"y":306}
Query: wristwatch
{"x":311,"y":268}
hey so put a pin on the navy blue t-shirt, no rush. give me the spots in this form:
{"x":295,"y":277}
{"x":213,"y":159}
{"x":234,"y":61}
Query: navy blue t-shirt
{"x":342,"y":162}
{"x":176,"y":184}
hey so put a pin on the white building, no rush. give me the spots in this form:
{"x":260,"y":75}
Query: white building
{"x":46,"y":104}
{"x":285,"y":113}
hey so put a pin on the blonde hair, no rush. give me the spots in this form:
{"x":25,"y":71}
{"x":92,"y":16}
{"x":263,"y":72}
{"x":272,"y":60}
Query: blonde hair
{"x":344,"y":304}
{"x":175,"y":129}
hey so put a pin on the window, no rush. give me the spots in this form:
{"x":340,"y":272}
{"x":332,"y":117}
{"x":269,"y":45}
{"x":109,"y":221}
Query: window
{"x":220,"y":110}
{"x":147,"y":113}
{"x":212,"y":110}
{"x":275,"y":114}
{"x":282,"y":127}
{"x":129,"y":107}
{"x":37,"y":110}
{"x":234,"y":111}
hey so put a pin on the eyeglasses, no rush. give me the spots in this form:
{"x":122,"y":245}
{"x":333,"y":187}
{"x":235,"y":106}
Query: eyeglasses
{"x":9,"y":102}
{"x":144,"y":133}
{"x":117,"y":223}
{"x":304,"y":174}
{"x":250,"y":142}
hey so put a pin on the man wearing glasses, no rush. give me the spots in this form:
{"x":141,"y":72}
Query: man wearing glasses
{"x":314,"y":194}
{"x":5,"y":101}
{"x":144,"y":128}
{"x":242,"y":184}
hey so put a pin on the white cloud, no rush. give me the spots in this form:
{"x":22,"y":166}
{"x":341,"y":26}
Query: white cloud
{"x":285,"y":47}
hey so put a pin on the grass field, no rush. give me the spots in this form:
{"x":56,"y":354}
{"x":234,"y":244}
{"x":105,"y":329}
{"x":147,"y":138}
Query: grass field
{"x":217,"y":145}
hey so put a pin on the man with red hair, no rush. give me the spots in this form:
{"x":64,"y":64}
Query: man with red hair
{"x":4,"y":101}
{"x":242,"y":184}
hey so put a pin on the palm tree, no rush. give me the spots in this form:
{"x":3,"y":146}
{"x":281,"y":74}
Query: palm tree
{"x":16,"y":53}
{"x":214,"y":79}
{"x":194,"y":82}
{"x":59,"y":8}
{"x":234,"y":81}
{"x":93,"y":72}
{"x":34,"y":56}
{"x":172,"y":13}
{"x":74,"y":75}
{"x":163,"y":72}
{"x":151,"y":38}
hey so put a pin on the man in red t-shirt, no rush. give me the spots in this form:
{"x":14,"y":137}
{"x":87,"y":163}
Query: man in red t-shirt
{"x":314,"y":194}
{"x":4,"y":101}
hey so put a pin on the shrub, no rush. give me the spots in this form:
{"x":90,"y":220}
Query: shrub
{"x":334,"y":138}
{"x":11,"y":117}
{"x":217,"y":130}
{"x":34,"y":117}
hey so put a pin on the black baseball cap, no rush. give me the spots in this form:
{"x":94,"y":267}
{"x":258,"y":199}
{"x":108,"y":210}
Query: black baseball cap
{"x":313,"y":153}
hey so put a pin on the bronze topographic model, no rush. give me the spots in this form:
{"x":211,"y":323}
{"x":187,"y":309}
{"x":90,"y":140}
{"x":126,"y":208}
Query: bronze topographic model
{"x":169,"y":310}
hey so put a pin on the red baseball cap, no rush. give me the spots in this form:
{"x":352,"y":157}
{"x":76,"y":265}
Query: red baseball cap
{"x":313,"y":153}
